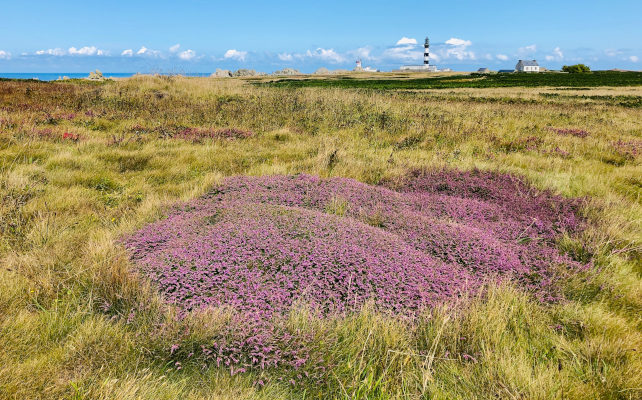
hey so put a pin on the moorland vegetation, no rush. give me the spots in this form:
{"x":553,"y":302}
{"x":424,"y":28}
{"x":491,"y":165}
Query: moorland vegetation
{"x":145,"y":221}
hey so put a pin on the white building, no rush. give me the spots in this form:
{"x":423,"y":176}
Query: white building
{"x":361,"y":68}
{"x":527,"y":66}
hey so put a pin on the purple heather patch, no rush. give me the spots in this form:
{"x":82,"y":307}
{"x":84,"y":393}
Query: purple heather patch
{"x":261,"y":245}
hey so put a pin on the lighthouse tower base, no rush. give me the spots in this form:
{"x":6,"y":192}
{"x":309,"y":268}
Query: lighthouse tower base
{"x":419,"y":68}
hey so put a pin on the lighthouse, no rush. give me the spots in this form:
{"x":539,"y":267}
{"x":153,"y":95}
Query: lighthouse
{"x":427,"y":52}
{"x":425,"y":67}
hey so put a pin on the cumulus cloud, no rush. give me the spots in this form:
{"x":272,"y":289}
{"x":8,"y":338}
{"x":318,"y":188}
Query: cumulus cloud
{"x":285,"y":57}
{"x":4,"y":55}
{"x":634,"y":58}
{"x":235,"y":55}
{"x":51,"y":52}
{"x":128,"y":53}
{"x":187,"y":54}
{"x":405,"y":50}
{"x":502,"y":57}
{"x":458,"y":48}
{"x":364,"y":53}
{"x":144,"y":51}
{"x":459,"y":42}
{"x":326,"y":54}
{"x":73,"y":51}
{"x":175,"y":48}
{"x":86,"y":51}
{"x":557,"y":55}
{"x":527,"y":49}
{"x":405,"y":40}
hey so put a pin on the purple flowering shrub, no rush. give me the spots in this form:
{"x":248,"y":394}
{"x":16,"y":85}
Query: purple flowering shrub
{"x":580,"y":133}
{"x":260,"y":246}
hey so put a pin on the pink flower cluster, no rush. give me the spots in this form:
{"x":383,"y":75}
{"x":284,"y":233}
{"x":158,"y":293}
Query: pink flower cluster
{"x":628,"y":148}
{"x":580,"y":133}
{"x":262,"y":245}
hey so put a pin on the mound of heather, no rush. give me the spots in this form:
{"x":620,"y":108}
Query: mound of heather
{"x":260,"y":245}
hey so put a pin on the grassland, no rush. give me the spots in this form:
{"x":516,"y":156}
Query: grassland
{"x":83,"y":164}
{"x":459,"y":80}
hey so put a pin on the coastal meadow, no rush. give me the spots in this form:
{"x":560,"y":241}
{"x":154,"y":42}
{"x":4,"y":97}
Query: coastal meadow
{"x":170,"y":237}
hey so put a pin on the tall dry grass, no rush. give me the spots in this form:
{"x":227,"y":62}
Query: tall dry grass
{"x":76,"y":323}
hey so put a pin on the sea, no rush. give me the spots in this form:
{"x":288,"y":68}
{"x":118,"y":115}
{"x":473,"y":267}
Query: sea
{"x":52,"y":76}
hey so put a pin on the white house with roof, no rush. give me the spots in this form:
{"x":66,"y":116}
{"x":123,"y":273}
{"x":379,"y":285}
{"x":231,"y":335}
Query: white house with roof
{"x":527,"y":66}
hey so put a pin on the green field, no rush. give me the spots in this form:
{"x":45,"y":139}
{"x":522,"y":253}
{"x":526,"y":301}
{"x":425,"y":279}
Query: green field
{"x":552,"y":79}
{"x":84,"y":164}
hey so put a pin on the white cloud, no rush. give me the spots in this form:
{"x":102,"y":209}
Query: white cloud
{"x":235,"y":54}
{"x":128,"y":52}
{"x":405,"y":40}
{"x":187,"y":54}
{"x":527,"y":49}
{"x":326,"y":54}
{"x":86,"y":51}
{"x":285,"y":57}
{"x":175,"y":48}
{"x":144,"y":51}
{"x":4,"y":55}
{"x":406,"y":50}
{"x":634,"y":58}
{"x":458,"y":49}
{"x":612,"y":52}
{"x":459,"y":42}
{"x":73,"y":51}
{"x":52,"y":52}
{"x":364,"y":53}
{"x":502,"y":57}
{"x":557,"y":55}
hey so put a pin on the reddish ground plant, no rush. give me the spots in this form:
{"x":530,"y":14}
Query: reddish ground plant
{"x":262,"y":245}
{"x":74,"y":137}
{"x":53,"y":135}
{"x":628,"y":148}
{"x":580,"y":133}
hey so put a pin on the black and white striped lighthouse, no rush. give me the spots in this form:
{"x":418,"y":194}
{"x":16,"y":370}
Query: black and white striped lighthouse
{"x":426,"y":52}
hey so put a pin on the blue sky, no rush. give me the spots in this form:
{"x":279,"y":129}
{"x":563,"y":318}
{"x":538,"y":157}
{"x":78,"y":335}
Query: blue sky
{"x":200,"y":36}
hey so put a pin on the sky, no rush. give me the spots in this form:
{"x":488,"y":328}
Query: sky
{"x":200,"y":36}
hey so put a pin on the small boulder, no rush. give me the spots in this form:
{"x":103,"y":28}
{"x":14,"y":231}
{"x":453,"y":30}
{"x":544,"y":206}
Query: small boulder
{"x":96,"y":75}
{"x":287,"y":71}
{"x":221,"y":73}
{"x":246,"y":72}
